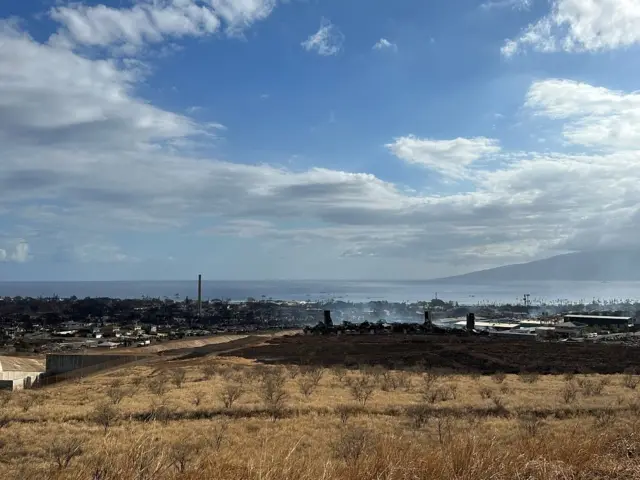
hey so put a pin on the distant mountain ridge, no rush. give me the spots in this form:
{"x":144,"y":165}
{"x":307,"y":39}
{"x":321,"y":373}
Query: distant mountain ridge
{"x":601,"y":265}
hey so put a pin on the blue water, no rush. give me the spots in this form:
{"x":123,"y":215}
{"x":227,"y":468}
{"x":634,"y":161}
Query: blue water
{"x":354,"y":291}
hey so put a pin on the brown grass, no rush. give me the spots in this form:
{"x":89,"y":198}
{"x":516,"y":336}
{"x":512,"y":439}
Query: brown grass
{"x":519,"y":428}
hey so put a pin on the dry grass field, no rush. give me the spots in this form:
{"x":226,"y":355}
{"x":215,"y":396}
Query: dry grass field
{"x":229,"y":418}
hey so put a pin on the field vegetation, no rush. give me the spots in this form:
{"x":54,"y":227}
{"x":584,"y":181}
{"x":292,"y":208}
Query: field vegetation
{"x":230,"y":418}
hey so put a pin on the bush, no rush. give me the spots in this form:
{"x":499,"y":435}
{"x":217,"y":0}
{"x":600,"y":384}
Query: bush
{"x":569,"y":392}
{"x":218,"y":436}
{"x":293,"y":371}
{"x":26,"y":400}
{"x":591,"y":387}
{"x":306,"y":386}
{"x":531,"y":377}
{"x":486,"y":393}
{"x":499,"y":377}
{"x":630,"y":381}
{"x":362,"y":389}
{"x":178,"y":376}
{"x":160,"y":412}
{"x":419,"y":415}
{"x":351,"y":444}
{"x":530,"y":425}
{"x":230,"y":393}
{"x":273,"y":395}
{"x":389,"y":382}
{"x":65,"y":449}
{"x":314,"y":374}
{"x":183,"y":451}
{"x":346,"y":411}
{"x":104,"y":415}
{"x":158,"y":384}
{"x":339,"y":373}
{"x":116,"y":393}
{"x":209,"y":371}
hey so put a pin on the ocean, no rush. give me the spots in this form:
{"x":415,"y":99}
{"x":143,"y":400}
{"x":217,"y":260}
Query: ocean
{"x":348,"y":291}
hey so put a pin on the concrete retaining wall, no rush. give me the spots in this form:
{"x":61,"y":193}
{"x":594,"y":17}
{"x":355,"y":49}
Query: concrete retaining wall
{"x":62,"y":363}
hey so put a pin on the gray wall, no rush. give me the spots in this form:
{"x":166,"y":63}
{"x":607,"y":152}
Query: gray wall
{"x":61,"y":363}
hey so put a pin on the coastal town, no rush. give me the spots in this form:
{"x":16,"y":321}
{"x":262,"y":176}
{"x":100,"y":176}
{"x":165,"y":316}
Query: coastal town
{"x":44,"y":325}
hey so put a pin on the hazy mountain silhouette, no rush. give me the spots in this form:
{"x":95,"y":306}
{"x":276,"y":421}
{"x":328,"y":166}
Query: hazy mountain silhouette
{"x":601,"y":265}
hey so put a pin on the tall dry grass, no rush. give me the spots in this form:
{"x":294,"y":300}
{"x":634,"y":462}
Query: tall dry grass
{"x":308,"y":423}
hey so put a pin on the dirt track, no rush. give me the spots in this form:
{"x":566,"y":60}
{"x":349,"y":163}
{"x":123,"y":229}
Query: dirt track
{"x":465,"y":354}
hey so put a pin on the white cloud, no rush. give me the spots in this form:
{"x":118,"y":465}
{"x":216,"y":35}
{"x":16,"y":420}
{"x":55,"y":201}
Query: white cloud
{"x":327,"y":41}
{"x":82,"y":156}
{"x":18,"y":253}
{"x":448,"y":157}
{"x":581,"y":25}
{"x":129,"y":29}
{"x":597,"y":117}
{"x":512,"y":4}
{"x":384,"y":44}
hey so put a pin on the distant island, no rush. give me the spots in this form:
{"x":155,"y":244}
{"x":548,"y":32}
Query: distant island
{"x":600,"y":265}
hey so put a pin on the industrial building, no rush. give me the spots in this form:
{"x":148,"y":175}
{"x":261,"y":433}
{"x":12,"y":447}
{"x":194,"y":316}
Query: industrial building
{"x":599,"y":320}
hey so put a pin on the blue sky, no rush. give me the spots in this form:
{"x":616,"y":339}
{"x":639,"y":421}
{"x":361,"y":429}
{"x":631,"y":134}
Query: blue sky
{"x":260,"y":139}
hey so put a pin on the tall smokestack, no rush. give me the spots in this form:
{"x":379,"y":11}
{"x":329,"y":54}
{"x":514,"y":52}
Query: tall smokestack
{"x":199,"y":296}
{"x":327,"y":319}
{"x":471,"y":321}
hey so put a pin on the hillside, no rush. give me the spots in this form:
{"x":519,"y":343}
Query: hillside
{"x":603,"y":265}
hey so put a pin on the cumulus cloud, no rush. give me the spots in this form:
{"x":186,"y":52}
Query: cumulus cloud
{"x":581,"y":25}
{"x":597,"y":116}
{"x":384,"y":44}
{"x":327,"y":41}
{"x":447,"y":157}
{"x":71,"y":125}
{"x":153,"y":21}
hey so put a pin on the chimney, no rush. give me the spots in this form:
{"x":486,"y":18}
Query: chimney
{"x":199,"y":296}
{"x":471,"y":321}
{"x":327,"y":319}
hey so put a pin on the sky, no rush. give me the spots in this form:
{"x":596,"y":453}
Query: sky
{"x":314,"y":139}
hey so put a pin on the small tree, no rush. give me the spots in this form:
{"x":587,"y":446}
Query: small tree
{"x":351,"y":444}
{"x":116,"y":393}
{"x":104,"y":415}
{"x":306,"y":386}
{"x":315,"y":375}
{"x":569,"y":392}
{"x":230,"y":393}
{"x":419,"y":415}
{"x":183,"y":451}
{"x":209,"y":371}
{"x":361,"y":389}
{"x":339,"y":373}
{"x":158,"y":385}
{"x":178,"y":376}
{"x":65,"y":449}
{"x":273,"y":395}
